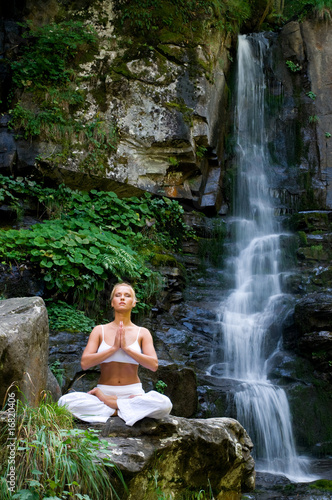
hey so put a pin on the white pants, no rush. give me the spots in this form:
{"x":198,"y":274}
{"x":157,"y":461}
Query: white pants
{"x":89,"y":408}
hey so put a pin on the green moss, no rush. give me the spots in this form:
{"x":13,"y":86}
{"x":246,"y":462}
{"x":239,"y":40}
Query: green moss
{"x":164,"y":260}
{"x":322,"y":484}
{"x":181,"y":106}
{"x":122,"y":69}
{"x":302,"y":238}
{"x":310,"y":222}
{"x":183,"y":23}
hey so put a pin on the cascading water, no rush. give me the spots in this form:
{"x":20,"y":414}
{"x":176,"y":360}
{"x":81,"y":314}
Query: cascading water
{"x":250,"y":313}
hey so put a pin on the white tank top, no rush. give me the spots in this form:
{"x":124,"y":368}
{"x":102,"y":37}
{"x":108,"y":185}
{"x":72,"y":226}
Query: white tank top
{"x":120,"y":356}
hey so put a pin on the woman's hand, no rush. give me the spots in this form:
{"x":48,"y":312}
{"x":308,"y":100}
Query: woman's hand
{"x":121,"y":332}
{"x":118,"y":336}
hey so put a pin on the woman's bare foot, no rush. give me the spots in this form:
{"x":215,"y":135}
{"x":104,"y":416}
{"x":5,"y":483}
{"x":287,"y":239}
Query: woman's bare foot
{"x":110,"y":401}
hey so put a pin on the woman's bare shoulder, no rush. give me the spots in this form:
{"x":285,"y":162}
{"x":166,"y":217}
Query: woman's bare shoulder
{"x":97,"y":331}
{"x":144,"y":332}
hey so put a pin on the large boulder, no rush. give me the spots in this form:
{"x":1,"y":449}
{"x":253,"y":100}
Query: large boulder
{"x":24,"y":347}
{"x":177,"y":454}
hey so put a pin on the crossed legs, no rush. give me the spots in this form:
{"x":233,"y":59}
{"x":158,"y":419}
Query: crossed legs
{"x":110,"y":401}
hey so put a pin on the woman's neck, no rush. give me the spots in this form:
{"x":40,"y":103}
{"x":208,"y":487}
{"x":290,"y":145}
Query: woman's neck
{"x":125,"y":318}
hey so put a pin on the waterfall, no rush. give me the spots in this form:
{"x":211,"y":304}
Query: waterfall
{"x":255,"y":306}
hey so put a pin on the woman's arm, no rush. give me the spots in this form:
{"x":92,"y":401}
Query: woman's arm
{"x":148,"y":357}
{"x":90,"y":356}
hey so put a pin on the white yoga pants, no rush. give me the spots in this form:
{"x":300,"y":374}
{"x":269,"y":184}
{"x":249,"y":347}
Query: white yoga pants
{"x":89,"y":408}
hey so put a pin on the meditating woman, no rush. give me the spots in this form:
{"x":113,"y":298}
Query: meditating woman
{"x":119,"y":347}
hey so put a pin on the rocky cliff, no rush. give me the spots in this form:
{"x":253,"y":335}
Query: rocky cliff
{"x":160,"y":111}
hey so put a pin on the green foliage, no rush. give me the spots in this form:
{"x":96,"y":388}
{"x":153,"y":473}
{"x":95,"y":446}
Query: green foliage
{"x":186,"y":19}
{"x":161,"y":386}
{"x":316,"y":251}
{"x":47,"y":70}
{"x":49,"y":51}
{"x":55,"y":460}
{"x":294,"y":67}
{"x":327,"y":135}
{"x":313,"y":119}
{"x":89,"y":238}
{"x":303,"y":238}
{"x":173,"y":161}
{"x":64,"y":317}
{"x":72,"y":254}
{"x":311,"y":94}
{"x":303,"y":8}
{"x":200,"y":151}
{"x":322,"y":484}
{"x":57,"y":371}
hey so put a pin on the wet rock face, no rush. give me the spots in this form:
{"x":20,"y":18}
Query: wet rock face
{"x":314,"y":313}
{"x":299,"y":96}
{"x":313,"y":319}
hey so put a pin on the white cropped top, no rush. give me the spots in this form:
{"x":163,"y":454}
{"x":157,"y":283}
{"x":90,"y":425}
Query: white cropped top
{"x":120,"y":356}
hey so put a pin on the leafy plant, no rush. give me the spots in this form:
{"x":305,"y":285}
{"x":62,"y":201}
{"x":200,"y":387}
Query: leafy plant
{"x":55,"y":460}
{"x":303,"y":8}
{"x":294,"y":67}
{"x":57,"y":371}
{"x":313,"y":119}
{"x":92,"y":237}
{"x":47,"y":70}
{"x":49,"y":51}
{"x":161,"y":386}
{"x":64,"y":317}
{"x":200,"y":151}
{"x":311,"y":94}
{"x":327,"y":135}
{"x":70,"y":253}
{"x":173,"y":161}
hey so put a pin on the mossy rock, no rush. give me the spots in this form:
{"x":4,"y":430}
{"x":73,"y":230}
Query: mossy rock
{"x":322,"y":485}
{"x":314,"y":252}
{"x":312,"y":221}
{"x":311,"y":409}
{"x":164,"y":260}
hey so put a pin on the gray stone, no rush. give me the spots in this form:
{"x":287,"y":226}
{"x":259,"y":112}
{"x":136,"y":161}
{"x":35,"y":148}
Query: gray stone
{"x":23,"y":347}
{"x":52,"y":386}
{"x":180,"y":454}
{"x":7,"y":151}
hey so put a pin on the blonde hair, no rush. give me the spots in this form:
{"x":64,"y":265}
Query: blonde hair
{"x":123,"y":284}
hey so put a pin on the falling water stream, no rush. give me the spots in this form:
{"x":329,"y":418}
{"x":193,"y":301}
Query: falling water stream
{"x":249,"y":313}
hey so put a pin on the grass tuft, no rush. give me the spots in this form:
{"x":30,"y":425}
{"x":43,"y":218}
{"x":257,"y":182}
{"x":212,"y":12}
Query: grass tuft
{"x":54,"y":459}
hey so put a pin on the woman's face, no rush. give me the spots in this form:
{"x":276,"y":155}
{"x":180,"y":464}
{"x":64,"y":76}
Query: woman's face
{"x":123,"y":298}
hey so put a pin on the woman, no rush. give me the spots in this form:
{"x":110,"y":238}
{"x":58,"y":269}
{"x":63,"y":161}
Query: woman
{"x":119,"y":347}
